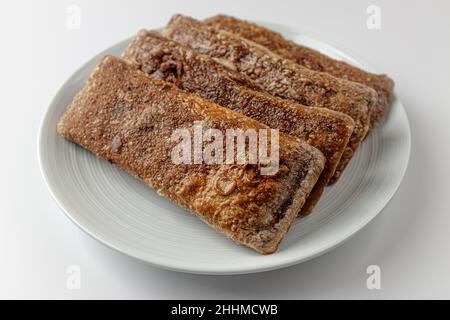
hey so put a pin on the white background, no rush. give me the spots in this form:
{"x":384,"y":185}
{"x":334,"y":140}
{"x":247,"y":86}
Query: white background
{"x":409,"y":240}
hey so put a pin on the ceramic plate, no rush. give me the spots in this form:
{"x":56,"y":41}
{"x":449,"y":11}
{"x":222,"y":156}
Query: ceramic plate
{"x":121,"y":212}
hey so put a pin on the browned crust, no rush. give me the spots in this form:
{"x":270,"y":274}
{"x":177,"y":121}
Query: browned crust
{"x":280,"y":77}
{"x":327,"y":130}
{"x":310,"y":59}
{"x":125,"y":117}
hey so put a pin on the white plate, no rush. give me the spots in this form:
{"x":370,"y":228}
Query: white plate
{"x":124,"y":214}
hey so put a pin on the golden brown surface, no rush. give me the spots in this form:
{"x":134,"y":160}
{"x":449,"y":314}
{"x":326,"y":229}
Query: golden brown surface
{"x":310,"y":59}
{"x":280,"y":77}
{"x":327,"y":130}
{"x":125,"y":117}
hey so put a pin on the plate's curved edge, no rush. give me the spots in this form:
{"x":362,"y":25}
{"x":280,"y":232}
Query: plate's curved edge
{"x":218,"y":271}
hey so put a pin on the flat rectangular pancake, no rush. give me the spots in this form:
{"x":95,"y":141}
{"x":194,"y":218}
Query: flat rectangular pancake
{"x":128,"y":118}
{"x":279,"y":76}
{"x":310,"y":59}
{"x":327,"y":130}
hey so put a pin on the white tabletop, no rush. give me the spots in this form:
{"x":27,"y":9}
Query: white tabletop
{"x":409,"y":240}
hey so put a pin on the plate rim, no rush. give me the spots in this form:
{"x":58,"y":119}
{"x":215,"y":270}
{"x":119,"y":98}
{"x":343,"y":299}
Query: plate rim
{"x":332,"y":244}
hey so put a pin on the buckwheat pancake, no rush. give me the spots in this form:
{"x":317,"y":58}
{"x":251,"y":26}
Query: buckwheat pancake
{"x":128,"y":118}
